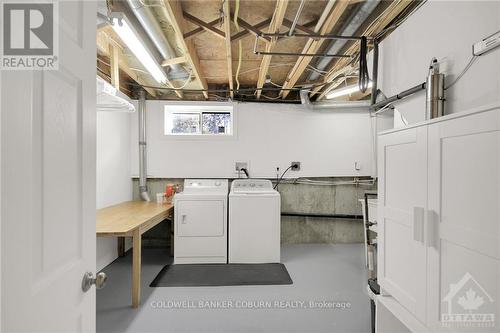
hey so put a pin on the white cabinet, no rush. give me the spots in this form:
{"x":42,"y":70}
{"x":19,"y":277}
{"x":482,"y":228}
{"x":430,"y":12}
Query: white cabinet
{"x":439,"y":221}
{"x":402,"y":200}
{"x":463,"y":232}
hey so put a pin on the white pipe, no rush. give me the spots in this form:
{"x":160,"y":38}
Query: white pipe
{"x":341,"y":105}
{"x":143,"y":187}
{"x":324,"y":15}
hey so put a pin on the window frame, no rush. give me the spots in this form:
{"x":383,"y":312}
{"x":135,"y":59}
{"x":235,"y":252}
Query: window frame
{"x":170,"y":109}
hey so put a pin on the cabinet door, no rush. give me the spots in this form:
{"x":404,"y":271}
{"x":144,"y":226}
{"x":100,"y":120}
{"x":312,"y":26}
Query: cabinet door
{"x":402,"y":161}
{"x":463,"y":228}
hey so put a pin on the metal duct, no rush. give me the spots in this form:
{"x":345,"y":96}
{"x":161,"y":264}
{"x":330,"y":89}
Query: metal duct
{"x":341,"y":105}
{"x":143,"y":187}
{"x":349,"y":29}
{"x":155,"y":32}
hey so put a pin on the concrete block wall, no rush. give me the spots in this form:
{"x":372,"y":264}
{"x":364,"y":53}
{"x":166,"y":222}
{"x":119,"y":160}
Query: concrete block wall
{"x":295,"y":198}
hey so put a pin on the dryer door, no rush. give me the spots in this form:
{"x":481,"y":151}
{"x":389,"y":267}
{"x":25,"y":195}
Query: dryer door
{"x":200,"y":218}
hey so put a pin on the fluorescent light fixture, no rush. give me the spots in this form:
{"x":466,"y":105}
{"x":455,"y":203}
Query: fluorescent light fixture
{"x":123,"y":28}
{"x":345,"y":91}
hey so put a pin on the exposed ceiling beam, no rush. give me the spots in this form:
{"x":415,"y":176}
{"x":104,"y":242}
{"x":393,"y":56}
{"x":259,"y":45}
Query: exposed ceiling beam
{"x":114,"y":65}
{"x":227,"y":41}
{"x":394,"y":9}
{"x":304,"y":28}
{"x":204,"y":25}
{"x":173,"y":61}
{"x":251,"y":28}
{"x":276,"y":22}
{"x":312,"y":46}
{"x":174,"y":11}
{"x":246,"y":32}
{"x":199,"y":29}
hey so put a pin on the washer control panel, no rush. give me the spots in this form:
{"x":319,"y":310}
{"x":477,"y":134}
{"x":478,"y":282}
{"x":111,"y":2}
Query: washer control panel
{"x":246,"y":185}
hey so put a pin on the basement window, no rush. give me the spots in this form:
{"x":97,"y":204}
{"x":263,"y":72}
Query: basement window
{"x":187,"y":120}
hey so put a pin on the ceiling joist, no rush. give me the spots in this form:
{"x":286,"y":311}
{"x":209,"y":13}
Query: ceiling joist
{"x":174,"y":11}
{"x":227,"y":41}
{"x":276,"y":23}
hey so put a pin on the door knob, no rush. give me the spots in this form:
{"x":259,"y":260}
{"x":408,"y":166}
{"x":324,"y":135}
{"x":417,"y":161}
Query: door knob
{"x":89,"y":280}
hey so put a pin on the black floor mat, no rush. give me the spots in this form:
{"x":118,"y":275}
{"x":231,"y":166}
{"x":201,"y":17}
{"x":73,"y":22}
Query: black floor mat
{"x":203,"y":275}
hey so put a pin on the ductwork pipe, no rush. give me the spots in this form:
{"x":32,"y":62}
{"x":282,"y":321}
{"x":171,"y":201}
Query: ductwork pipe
{"x":143,"y":187}
{"x":341,"y":105}
{"x":349,"y":29}
{"x":154,"y":31}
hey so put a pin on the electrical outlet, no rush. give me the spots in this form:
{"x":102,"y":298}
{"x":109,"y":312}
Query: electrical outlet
{"x":240,"y":165}
{"x":295,"y":166}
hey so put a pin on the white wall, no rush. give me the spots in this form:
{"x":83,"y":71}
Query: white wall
{"x":445,"y":30}
{"x":327,"y":143}
{"x":113,"y":172}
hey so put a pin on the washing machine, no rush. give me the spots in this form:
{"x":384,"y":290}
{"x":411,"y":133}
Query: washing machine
{"x":200,"y":222}
{"x":254,"y":222}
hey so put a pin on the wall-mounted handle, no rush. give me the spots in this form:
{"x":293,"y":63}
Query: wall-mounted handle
{"x":418,"y":224}
{"x":184,"y":219}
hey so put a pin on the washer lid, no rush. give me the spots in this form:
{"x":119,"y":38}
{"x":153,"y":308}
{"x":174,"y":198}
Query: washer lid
{"x":193,"y":186}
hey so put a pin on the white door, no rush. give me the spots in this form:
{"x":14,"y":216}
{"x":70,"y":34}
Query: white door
{"x":203,"y":218}
{"x":48,"y":184}
{"x":402,"y":198}
{"x":464,"y":223}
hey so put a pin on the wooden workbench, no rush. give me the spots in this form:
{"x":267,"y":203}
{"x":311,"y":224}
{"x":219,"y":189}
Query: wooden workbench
{"x":132,"y":219}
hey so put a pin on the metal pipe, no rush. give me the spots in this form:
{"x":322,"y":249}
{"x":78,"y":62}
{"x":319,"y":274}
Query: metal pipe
{"x":375,"y":72}
{"x":304,"y":54}
{"x":155,"y":32}
{"x":317,"y":36}
{"x":434,"y":106}
{"x":399,"y":96}
{"x":143,"y":187}
{"x":331,"y":216}
{"x":352,"y":25}
{"x":297,"y":15}
{"x":341,"y":105}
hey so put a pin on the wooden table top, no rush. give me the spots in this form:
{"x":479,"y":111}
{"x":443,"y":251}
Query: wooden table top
{"x":122,"y":219}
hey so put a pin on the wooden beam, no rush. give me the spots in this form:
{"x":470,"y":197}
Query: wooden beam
{"x":173,"y":61}
{"x":245,"y":32}
{"x":206,"y":26}
{"x":304,"y":28}
{"x":174,"y":11}
{"x":199,"y":30}
{"x":312,"y":46}
{"x":251,"y":28}
{"x":114,"y":65}
{"x":227,"y":40}
{"x":276,"y":22}
{"x":394,"y":9}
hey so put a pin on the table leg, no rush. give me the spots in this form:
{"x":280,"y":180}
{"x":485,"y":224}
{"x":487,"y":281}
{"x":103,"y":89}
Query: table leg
{"x":121,"y":246}
{"x":136,"y":268}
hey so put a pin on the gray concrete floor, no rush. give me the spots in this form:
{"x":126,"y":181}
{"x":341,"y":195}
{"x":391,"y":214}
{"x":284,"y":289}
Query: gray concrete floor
{"x":327,"y":275}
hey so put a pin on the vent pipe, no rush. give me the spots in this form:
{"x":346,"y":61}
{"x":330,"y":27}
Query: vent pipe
{"x":349,"y":29}
{"x":143,"y":187}
{"x":153,"y":29}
